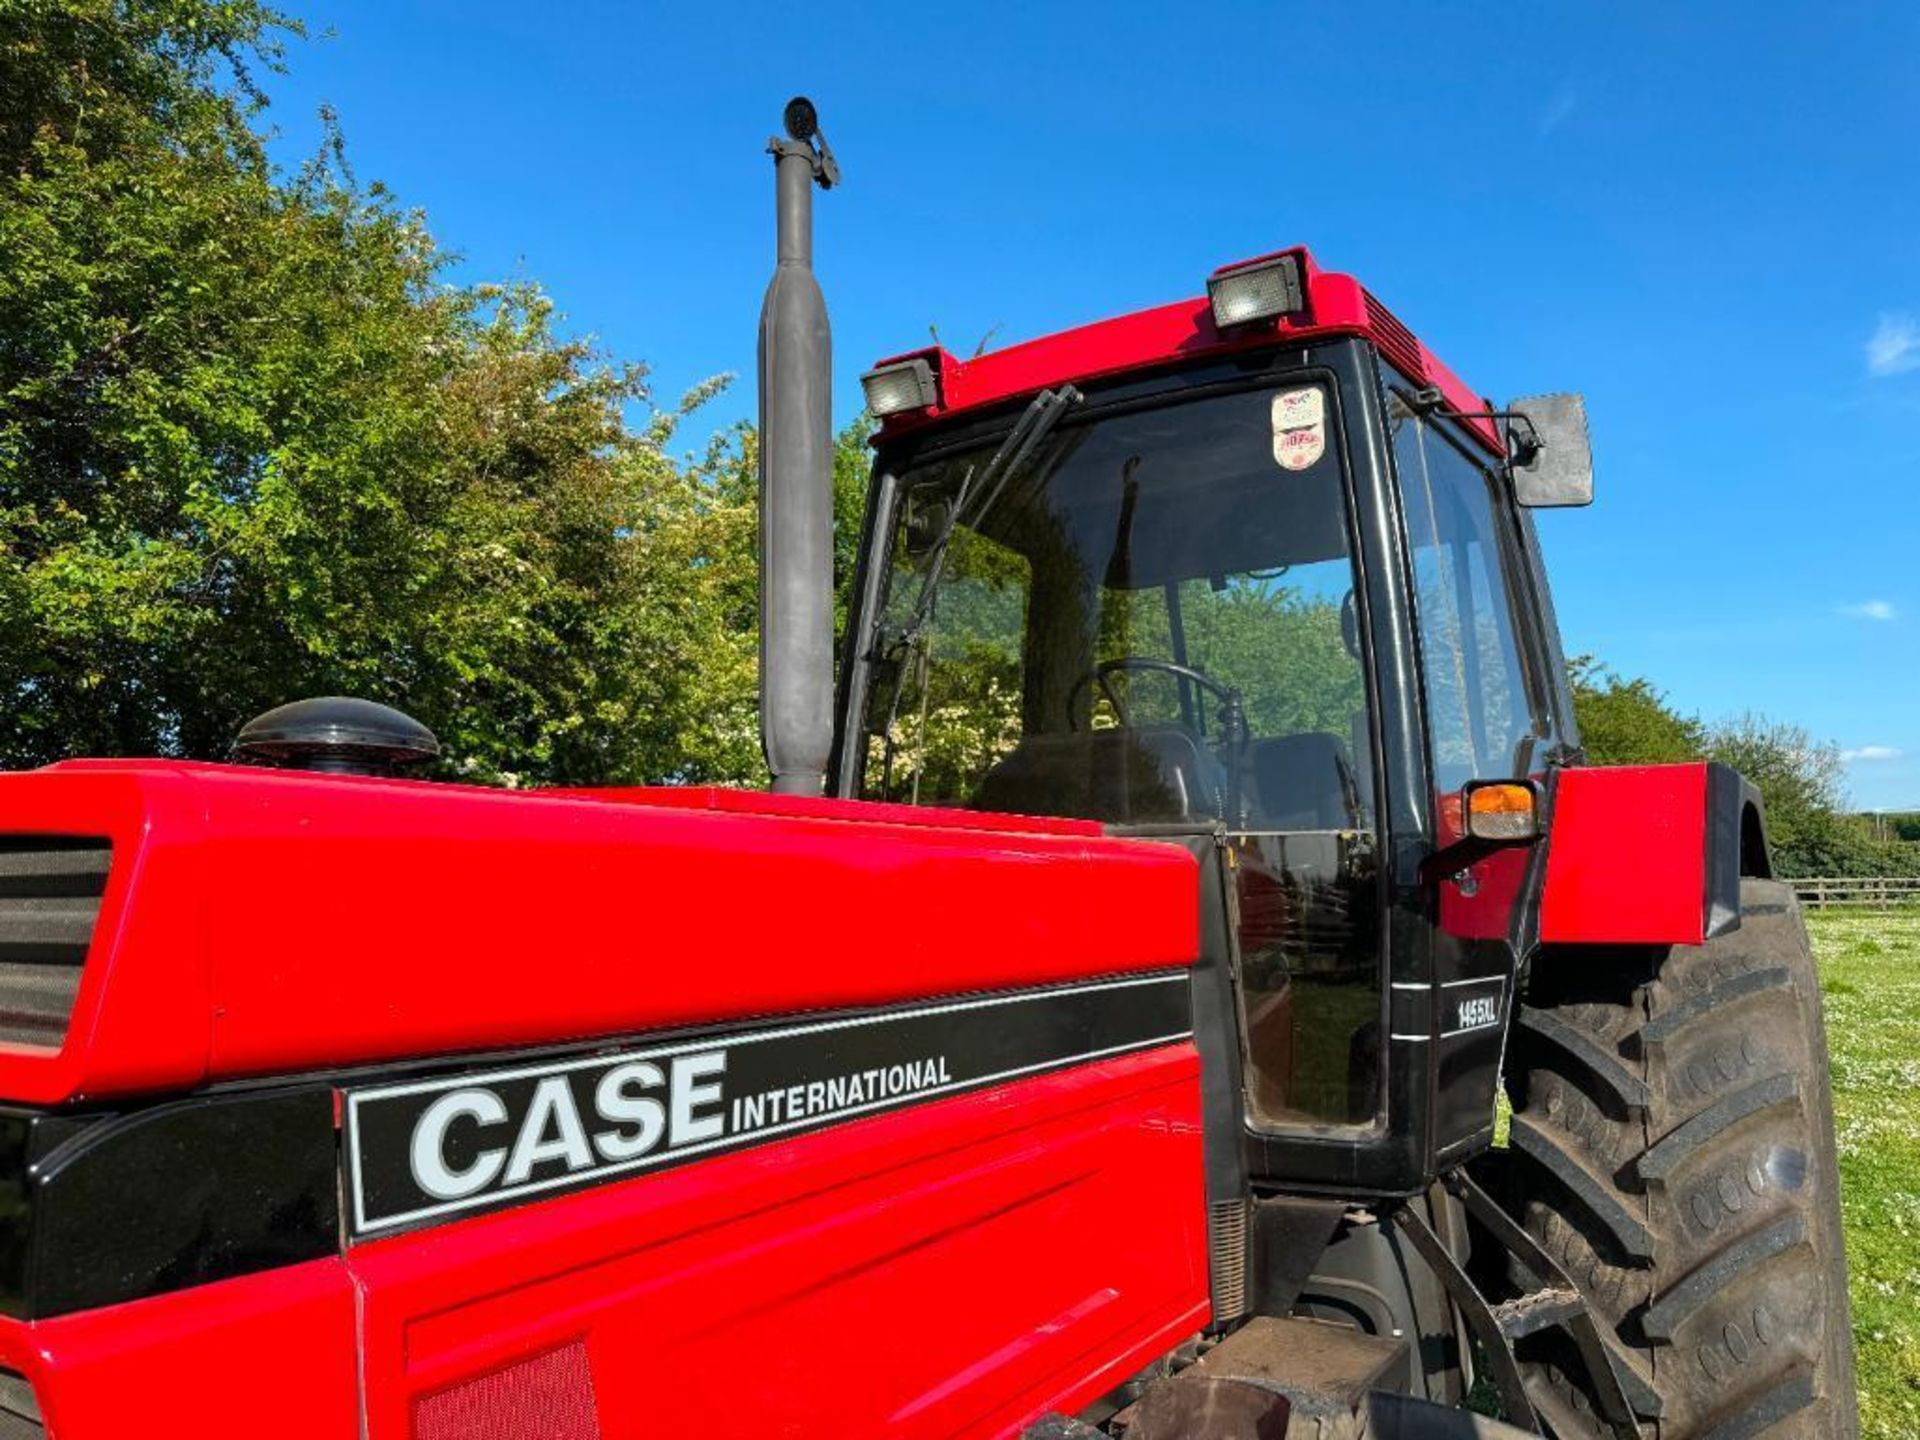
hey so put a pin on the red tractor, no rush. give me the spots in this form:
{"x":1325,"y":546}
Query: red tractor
{"x":1101,"y":1030}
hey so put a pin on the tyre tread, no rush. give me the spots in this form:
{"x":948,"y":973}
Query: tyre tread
{"x":1627,"y":1231}
{"x":1679,"y":1303}
{"x":1679,"y":1102}
{"x":1549,"y":1030}
{"x":1681,"y":1144}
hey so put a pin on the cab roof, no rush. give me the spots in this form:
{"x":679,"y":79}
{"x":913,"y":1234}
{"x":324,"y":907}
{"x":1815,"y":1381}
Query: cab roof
{"x":1335,"y":304}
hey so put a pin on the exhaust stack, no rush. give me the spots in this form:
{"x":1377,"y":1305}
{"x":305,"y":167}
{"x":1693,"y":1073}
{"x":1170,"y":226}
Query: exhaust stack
{"x":796,"y":475}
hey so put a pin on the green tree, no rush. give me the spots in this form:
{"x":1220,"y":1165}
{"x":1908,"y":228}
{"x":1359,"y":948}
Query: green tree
{"x":254,"y":446}
{"x":1804,"y":784}
{"x":691,"y":556}
{"x":1629,"y":722}
{"x":1800,"y":779}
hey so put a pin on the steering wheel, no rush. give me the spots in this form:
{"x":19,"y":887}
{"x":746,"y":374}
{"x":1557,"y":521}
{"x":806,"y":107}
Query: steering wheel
{"x":1231,"y":707}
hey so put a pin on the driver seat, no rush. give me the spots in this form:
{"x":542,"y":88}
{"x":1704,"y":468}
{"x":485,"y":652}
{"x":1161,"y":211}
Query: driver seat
{"x":1156,"y":773}
{"x":1299,"y":782}
{"x":1194,"y":780}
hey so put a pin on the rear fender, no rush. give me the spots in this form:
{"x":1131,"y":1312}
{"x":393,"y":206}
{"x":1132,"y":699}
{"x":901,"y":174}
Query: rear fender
{"x":1649,"y":854}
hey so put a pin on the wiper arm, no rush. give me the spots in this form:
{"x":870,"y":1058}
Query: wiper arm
{"x":980,"y":492}
{"x":977,"y":495}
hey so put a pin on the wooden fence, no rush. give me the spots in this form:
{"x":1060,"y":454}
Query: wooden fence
{"x":1873,"y":892}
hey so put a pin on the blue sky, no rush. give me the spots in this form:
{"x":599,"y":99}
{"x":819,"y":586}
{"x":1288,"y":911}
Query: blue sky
{"x":1707,"y":217}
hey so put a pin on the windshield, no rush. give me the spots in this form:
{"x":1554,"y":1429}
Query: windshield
{"x":1154,"y":621}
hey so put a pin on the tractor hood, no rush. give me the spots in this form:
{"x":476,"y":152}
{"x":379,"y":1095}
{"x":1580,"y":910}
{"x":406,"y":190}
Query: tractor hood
{"x":166,"y":926}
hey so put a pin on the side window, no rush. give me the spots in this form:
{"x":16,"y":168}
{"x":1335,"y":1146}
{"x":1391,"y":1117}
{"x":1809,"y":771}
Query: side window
{"x":1481,"y":709}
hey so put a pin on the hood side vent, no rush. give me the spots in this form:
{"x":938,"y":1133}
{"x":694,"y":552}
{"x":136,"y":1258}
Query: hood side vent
{"x":50,"y":889}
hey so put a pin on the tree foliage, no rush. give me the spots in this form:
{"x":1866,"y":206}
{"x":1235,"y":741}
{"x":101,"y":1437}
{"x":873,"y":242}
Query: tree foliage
{"x":253,"y":445}
{"x":1629,"y":722}
{"x":1802,"y":780}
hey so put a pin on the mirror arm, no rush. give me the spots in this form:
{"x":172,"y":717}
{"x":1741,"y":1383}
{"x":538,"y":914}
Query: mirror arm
{"x":1523,"y":441}
{"x":1452,"y":860}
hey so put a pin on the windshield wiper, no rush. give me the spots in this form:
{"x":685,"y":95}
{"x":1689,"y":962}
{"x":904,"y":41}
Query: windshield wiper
{"x":976,"y":496}
{"x":979,"y":493}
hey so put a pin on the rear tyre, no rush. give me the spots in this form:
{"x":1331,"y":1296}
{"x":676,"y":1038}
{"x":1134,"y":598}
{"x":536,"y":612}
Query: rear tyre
{"x":1673,"y":1141}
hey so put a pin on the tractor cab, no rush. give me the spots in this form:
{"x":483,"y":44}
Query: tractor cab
{"x":1249,"y":569}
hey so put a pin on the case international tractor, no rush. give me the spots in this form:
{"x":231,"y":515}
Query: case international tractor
{"x":1100,"y":1029}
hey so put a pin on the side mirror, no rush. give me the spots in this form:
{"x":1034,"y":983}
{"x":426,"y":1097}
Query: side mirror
{"x":1552,"y":458}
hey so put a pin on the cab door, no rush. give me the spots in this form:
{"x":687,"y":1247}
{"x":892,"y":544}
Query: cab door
{"x":1487,"y":716}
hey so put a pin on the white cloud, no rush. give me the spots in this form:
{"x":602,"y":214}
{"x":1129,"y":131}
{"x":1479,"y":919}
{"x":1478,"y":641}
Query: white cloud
{"x":1557,"y":111}
{"x":1870,"y":610}
{"x":1870,"y":752}
{"x":1894,"y":346}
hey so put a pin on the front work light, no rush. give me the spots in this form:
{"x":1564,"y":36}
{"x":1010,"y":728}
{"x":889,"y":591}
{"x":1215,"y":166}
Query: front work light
{"x":904,"y":385}
{"x":1257,"y":290}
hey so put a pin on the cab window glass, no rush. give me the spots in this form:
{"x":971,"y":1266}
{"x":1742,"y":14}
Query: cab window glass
{"x":1155,"y":621}
{"x":957,"y":709}
{"x":1482,"y":714}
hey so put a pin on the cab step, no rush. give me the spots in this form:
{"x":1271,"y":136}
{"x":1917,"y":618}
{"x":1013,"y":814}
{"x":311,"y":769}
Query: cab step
{"x":1537,"y":1310}
{"x":1291,"y":1376}
{"x":1553,"y":1304}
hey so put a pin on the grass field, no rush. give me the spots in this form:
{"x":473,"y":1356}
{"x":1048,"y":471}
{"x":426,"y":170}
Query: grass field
{"x":1870,"y":971}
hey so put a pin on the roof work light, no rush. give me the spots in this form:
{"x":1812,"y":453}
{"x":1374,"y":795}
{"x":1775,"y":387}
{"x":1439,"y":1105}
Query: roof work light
{"x":1257,"y":290}
{"x":901,"y":386}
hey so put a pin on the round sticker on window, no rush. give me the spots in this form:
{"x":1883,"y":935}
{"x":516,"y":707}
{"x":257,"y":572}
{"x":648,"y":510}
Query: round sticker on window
{"x":1299,"y":427}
